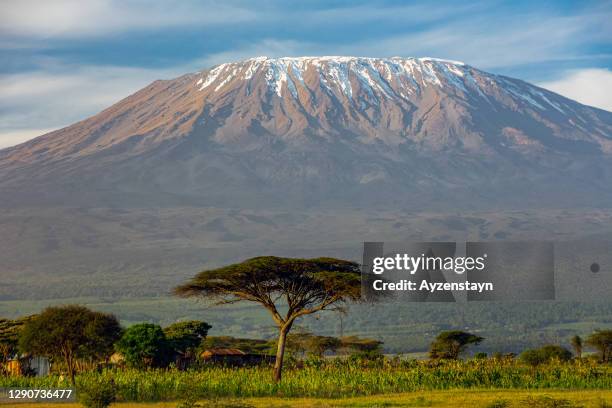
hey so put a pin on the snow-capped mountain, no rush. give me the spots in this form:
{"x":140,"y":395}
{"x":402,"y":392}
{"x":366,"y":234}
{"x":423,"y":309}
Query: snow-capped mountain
{"x":404,"y":132}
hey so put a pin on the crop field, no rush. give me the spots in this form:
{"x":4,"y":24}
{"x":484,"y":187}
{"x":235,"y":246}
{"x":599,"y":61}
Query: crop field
{"x":337,"y":379}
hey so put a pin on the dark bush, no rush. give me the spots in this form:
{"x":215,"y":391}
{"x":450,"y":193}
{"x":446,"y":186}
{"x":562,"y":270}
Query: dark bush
{"x":545,"y":354}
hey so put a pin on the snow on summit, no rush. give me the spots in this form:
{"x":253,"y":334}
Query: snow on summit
{"x":380,"y":76}
{"x":364,"y":81}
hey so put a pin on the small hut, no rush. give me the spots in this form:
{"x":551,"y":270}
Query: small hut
{"x":13,"y":367}
{"x":27,"y":364}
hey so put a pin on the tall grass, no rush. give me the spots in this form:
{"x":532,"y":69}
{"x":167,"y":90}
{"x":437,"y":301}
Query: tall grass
{"x":337,"y":379}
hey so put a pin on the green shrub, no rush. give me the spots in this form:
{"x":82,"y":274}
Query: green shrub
{"x":97,"y":392}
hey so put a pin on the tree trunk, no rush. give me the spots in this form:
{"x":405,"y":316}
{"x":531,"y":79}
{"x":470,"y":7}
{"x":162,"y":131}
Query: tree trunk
{"x":280,"y":352}
{"x":70,"y":366}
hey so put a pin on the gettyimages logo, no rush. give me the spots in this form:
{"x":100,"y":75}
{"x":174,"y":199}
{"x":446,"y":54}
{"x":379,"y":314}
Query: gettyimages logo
{"x":481,"y":271}
{"x":412,"y":264}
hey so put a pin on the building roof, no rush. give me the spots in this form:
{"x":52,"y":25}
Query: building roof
{"x":223,"y":352}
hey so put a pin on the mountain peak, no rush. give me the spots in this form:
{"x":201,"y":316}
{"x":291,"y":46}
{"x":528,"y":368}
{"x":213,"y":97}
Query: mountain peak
{"x":347,"y":58}
{"x":302,"y":129}
{"x":340,"y":72}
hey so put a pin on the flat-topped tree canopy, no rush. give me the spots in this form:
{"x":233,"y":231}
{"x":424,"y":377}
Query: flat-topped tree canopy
{"x":300,"y":283}
{"x":303,"y":286}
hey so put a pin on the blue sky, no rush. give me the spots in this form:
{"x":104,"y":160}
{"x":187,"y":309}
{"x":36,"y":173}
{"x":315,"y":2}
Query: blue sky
{"x":63,"y":60}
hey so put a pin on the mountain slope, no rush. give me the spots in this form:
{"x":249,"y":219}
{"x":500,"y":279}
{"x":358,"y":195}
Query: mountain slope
{"x":324,"y":131}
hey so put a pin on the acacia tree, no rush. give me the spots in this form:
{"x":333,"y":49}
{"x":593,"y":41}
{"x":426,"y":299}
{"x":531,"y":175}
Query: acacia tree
{"x":69,"y":333}
{"x":361,"y":345}
{"x":287,"y":287}
{"x":315,"y":346}
{"x":450,"y":344}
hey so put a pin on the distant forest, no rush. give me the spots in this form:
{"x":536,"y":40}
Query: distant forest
{"x":404,"y":328}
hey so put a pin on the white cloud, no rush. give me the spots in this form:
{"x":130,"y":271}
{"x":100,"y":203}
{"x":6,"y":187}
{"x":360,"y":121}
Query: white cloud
{"x":591,"y":87}
{"x":405,"y":13}
{"x":481,"y":41}
{"x":77,"y":18}
{"x":491,"y":43}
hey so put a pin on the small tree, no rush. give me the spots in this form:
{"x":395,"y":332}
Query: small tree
{"x":450,"y":344}
{"x":361,"y":345}
{"x":601,"y":340}
{"x":144,"y":345}
{"x":69,"y":333}
{"x":288,"y":288}
{"x":318,"y":345}
{"x":576,"y":343}
{"x":186,"y":337}
{"x":9,"y":338}
{"x":315,"y":346}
